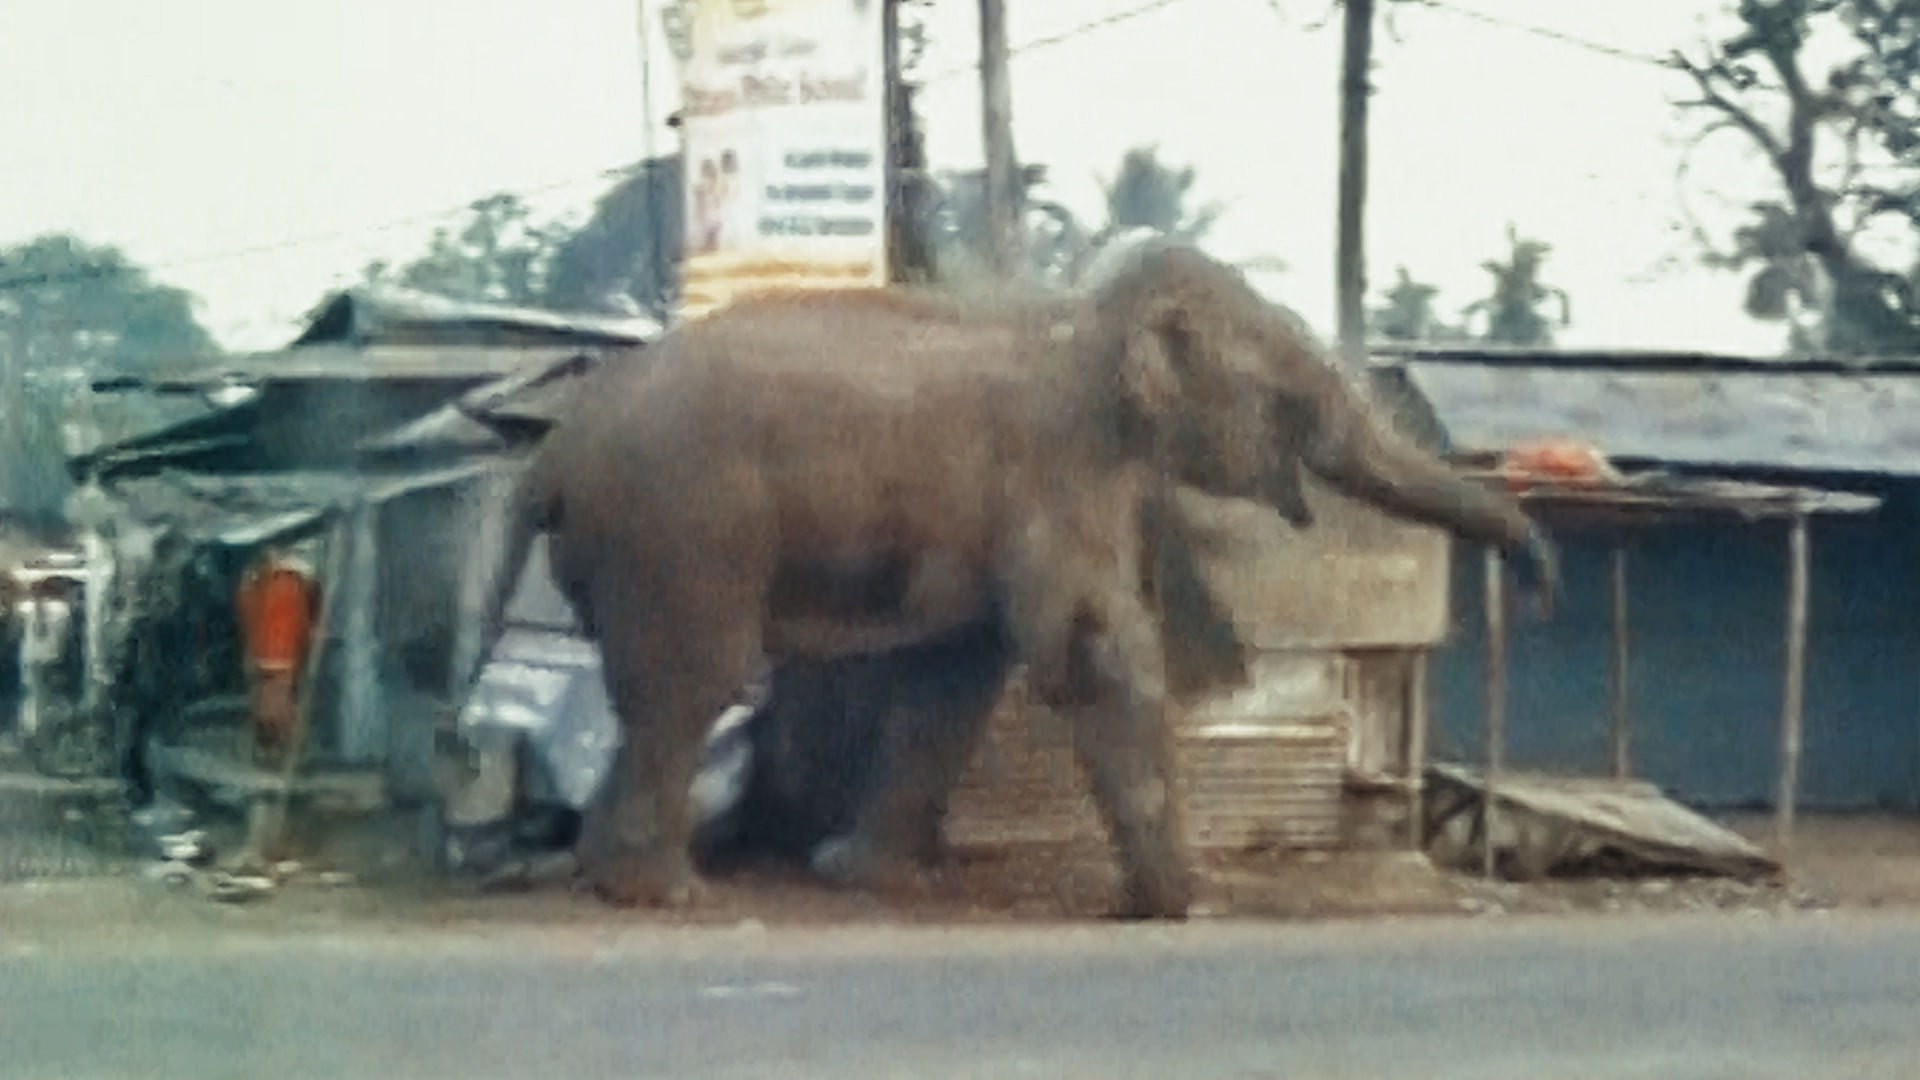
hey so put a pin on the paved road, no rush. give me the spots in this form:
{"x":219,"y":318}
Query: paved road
{"x":1671,"y":998}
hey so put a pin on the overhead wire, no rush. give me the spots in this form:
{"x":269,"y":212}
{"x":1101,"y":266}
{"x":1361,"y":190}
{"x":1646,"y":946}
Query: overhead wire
{"x":1545,"y":32}
{"x":36,"y":280}
{"x":1077,"y":31}
{"x":28,"y":281}
{"x":1083,"y":29}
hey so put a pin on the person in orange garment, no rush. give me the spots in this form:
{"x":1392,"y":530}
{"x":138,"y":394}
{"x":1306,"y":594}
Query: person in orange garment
{"x":275,"y":604}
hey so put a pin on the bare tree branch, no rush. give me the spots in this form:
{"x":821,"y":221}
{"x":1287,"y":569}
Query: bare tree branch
{"x":1734,"y":114}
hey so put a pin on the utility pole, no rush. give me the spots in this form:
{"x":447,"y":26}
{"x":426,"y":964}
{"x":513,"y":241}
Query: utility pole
{"x":909,"y":258}
{"x":660,"y":268}
{"x":1350,"y":260}
{"x":1003,"y":194}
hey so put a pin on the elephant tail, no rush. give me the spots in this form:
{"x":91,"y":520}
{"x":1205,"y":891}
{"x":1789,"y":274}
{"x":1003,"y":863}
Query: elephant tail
{"x":531,"y":510}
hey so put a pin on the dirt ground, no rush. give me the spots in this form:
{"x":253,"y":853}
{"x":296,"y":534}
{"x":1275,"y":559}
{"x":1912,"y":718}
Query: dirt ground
{"x":1860,"y":860}
{"x":1845,"y":863}
{"x":364,"y":871}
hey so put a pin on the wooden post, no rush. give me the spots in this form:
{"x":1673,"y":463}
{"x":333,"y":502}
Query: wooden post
{"x":1617,"y":689}
{"x":1496,"y":618}
{"x":996,"y":119}
{"x":1417,"y":719}
{"x":1793,"y":687}
{"x":1350,"y":272}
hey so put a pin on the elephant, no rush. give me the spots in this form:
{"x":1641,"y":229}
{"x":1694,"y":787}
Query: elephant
{"x":826,"y":473}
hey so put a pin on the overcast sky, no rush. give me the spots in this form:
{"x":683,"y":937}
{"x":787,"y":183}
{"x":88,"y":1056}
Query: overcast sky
{"x":259,"y":154}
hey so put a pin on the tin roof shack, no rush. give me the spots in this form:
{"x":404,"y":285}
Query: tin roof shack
{"x":1709,"y":593}
{"x":1318,"y":751}
{"x":310,"y":447}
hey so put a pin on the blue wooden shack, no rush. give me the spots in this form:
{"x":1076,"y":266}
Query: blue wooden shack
{"x":1707,"y":594}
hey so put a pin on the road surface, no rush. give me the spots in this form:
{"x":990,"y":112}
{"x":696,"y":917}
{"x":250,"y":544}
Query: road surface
{"x":1669,"y":997}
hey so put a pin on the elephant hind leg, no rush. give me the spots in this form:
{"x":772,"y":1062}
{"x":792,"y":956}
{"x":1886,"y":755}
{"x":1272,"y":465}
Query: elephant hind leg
{"x":940,"y":698}
{"x":671,"y":668}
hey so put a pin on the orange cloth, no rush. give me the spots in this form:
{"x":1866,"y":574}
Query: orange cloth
{"x":274,"y":603}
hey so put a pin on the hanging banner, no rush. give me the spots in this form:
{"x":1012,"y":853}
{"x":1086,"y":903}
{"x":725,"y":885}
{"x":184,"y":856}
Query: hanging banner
{"x":783,"y":121}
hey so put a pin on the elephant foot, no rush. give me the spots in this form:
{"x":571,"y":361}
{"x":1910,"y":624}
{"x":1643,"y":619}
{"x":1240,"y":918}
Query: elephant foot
{"x":1148,"y":895}
{"x":626,"y":881}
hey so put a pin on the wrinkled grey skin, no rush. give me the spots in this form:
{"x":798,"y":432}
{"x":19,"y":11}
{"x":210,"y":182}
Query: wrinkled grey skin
{"x":832,"y":474}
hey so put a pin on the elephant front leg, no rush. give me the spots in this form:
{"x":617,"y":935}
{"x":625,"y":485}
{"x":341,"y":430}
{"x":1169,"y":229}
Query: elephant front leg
{"x":1114,"y":693}
{"x":625,"y":851}
{"x":1122,"y":736}
{"x":667,"y":683}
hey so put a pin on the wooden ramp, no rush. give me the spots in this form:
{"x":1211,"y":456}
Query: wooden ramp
{"x":1559,"y":825}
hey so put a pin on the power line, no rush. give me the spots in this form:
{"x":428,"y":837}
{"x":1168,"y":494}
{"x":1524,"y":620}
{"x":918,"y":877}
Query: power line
{"x":34,"y":280}
{"x":1546,"y":32}
{"x":1069,"y":34}
{"x":1081,"y":30}
{"x":28,"y":281}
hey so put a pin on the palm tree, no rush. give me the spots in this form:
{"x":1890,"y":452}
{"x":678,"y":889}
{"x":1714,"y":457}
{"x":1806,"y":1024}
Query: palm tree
{"x":1513,"y":311}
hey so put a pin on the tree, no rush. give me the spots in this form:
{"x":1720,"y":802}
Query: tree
{"x":500,"y":255}
{"x":1839,"y":127}
{"x":1146,"y":193}
{"x":69,"y":309}
{"x":1055,"y":239}
{"x":1406,"y":313}
{"x":1513,"y":310}
{"x":621,"y":261}
{"x":623,"y":258}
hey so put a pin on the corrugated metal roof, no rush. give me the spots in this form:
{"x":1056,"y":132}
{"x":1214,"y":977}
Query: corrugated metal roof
{"x":1798,"y":417}
{"x":370,"y":315}
{"x":494,"y":415}
{"x":250,"y":508}
{"x":336,"y":362}
{"x":372,"y":333}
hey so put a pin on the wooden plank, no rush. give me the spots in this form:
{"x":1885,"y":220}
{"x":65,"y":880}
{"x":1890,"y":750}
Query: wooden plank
{"x":364,"y":788}
{"x":1631,"y":817}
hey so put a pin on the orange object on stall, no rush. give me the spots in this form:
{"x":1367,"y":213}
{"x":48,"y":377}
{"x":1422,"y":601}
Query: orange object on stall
{"x":1556,"y":461}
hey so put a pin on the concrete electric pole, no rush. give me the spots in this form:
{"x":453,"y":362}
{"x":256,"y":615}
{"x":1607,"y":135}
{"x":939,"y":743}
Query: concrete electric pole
{"x":1003,"y":194}
{"x":1350,"y":260}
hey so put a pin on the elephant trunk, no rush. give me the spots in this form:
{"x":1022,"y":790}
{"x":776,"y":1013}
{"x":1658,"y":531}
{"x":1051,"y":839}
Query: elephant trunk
{"x":1356,"y":455}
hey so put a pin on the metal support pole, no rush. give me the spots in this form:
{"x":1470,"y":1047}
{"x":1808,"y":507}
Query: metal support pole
{"x":1417,"y":719}
{"x":1496,"y":618}
{"x":1617,"y":689}
{"x":1350,"y":269}
{"x":1793,"y":688}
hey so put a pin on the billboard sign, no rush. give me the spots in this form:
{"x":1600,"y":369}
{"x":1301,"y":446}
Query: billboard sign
{"x":783,"y":120}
